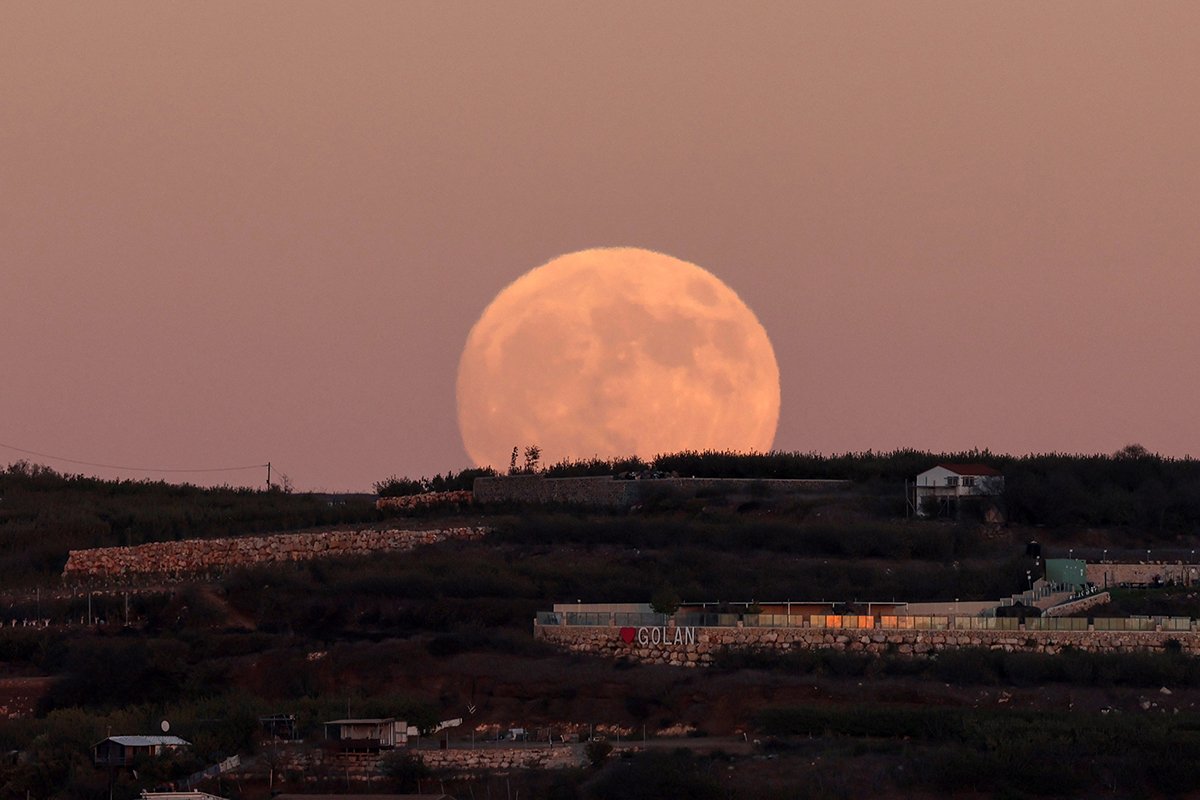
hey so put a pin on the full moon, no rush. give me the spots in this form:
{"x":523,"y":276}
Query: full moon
{"x":615,"y":352}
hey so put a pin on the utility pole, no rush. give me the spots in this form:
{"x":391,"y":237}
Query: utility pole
{"x":268,"y":476}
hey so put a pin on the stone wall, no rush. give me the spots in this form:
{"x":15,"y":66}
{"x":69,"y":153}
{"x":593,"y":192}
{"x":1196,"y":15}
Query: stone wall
{"x":193,"y":556}
{"x":424,"y":501}
{"x":504,"y":758}
{"x":1076,"y":606}
{"x":599,"y":492}
{"x":313,"y":763}
{"x":1103,"y":574}
{"x":615,"y":642}
{"x":608,"y":492}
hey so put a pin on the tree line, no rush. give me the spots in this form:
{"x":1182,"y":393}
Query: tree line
{"x":1132,"y":487}
{"x":44,"y":514}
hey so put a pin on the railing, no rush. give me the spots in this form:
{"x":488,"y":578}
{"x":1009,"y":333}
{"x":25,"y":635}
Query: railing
{"x":863,"y":622}
{"x":1057,"y":624}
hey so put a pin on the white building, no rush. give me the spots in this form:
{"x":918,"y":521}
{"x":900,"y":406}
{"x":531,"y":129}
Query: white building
{"x":367,"y":734}
{"x":122,"y":751}
{"x":939,"y":489}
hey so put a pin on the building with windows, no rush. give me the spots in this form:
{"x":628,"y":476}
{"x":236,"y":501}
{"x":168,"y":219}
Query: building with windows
{"x":938,"y":490}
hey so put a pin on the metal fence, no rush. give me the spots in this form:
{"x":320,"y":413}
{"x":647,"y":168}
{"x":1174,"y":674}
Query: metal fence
{"x":861,"y":622}
{"x":1144,"y":624}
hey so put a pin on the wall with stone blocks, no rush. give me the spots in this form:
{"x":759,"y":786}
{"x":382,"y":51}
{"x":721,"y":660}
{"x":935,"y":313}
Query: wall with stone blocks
{"x":601,"y":492}
{"x":1103,"y":574}
{"x":1076,"y":606}
{"x":314,"y":763}
{"x":194,"y":556}
{"x":502,"y":758}
{"x":610,"y":643}
{"x":425,"y":500}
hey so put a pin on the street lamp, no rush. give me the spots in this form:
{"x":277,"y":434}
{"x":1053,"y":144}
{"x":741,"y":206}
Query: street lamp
{"x":1105,"y":557}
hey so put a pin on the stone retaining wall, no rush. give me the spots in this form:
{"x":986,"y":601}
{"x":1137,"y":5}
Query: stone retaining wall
{"x":611,"y":642}
{"x":503,"y":758}
{"x":599,"y":492}
{"x":1082,"y":604}
{"x":315,"y":763}
{"x":1104,"y":575}
{"x":192,"y":556}
{"x":424,"y":501}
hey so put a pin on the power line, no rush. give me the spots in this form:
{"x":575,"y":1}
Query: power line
{"x":128,"y":469}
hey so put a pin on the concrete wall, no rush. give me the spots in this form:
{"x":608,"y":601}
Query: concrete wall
{"x":608,"y":492}
{"x":614,"y":642}
{"x":193,"y":556}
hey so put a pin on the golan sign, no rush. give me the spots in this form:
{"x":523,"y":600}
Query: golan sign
{"x":658,"y":636}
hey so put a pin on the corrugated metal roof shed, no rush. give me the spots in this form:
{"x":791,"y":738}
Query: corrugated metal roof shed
{"x":149,"y":741}
{"x":290,"y":796}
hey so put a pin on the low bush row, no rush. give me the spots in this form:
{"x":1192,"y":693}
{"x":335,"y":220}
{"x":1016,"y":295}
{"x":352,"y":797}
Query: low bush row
{"x":982,"y":666}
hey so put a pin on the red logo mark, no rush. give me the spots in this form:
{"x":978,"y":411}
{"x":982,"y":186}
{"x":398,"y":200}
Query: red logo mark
{"x":627,"y":634}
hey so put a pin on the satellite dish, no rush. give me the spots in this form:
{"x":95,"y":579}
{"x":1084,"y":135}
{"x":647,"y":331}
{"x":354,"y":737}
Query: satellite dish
{"x":166,"y":726}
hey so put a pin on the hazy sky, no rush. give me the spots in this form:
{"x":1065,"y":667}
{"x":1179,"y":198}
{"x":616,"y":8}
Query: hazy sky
{"x":240,"y":232}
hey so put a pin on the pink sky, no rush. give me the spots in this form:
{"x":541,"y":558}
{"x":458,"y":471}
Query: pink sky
{"x":233,"y":233}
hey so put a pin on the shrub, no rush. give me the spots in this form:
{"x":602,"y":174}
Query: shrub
{"x":405,"y":770}
{"x":666,"y":600}
{"x":597,"y":752}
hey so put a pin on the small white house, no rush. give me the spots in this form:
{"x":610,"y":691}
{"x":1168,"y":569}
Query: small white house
{"x":122,"y":751}
{"x":367,"y":734}
{"x":944,"y":485}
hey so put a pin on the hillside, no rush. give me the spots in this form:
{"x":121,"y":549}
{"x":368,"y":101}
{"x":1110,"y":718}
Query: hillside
{"x":438,"y":631}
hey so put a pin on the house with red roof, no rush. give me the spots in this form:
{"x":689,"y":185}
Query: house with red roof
{"x":939,"y":489}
